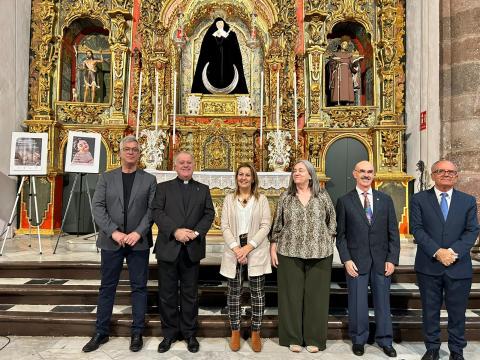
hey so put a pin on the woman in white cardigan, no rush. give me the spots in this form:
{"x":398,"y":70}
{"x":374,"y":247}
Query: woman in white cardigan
{"x":246,"y":222}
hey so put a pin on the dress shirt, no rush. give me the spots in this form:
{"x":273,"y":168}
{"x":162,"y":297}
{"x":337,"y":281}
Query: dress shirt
{"x":362,"y":197}
{"x":439,"y":193}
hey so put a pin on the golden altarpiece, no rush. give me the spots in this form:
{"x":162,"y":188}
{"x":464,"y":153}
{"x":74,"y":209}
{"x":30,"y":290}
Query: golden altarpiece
{"x":302,"y":40}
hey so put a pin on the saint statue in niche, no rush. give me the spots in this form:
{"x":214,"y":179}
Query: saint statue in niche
{"x":219,"y":67}
{"x":89,"y":67}
{"x":344,"y":71}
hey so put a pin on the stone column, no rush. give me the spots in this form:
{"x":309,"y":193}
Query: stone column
{"x":422,"y":86}
{"x":14,"y":42}
{"x":460,"y":90}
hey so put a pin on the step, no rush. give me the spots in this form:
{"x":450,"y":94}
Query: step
{"x":209,"y":270}
{"x":407,"y":324}
{"x":68,"y":291}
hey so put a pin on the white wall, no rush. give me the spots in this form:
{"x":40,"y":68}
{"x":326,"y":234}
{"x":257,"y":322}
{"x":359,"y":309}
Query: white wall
{"x":423,"y":83}
{"x":14,"y":61}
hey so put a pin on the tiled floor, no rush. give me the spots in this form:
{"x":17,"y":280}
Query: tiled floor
{"x":19,"y":249}
{"x":211,"y":349}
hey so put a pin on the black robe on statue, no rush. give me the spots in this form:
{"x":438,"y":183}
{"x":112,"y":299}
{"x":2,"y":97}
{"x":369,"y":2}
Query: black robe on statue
{"x":221,"y":53}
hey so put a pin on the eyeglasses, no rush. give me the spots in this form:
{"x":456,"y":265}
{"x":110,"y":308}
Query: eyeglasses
{"x":134,"y":150}
{"x":365,"y":171}
{"x":445,"y":172}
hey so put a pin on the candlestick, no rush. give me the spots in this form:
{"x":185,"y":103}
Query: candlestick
{"x":156,"y":100}
{"x":139,"y":103}
{"x":295,"y":105}
{"x":174,"y":106}
{"x":278,"y":101}
{"x":261,"y":108}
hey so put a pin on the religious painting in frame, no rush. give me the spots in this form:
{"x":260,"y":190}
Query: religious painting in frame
{"x":28,"y":153}
{"x":83,"y":152}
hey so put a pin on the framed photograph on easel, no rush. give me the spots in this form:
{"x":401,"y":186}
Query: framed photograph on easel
{"x":83,"y":152}
{"x":28,"y":153}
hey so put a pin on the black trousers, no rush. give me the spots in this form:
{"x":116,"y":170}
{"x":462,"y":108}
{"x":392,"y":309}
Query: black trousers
{"x":111,"y":267}
{"x":178,"y":304}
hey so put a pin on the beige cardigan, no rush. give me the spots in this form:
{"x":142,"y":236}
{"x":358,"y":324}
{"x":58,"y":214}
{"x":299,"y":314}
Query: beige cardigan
{"x":259,"y":257}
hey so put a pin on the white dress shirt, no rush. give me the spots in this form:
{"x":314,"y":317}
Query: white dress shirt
{"x":439,"y":193}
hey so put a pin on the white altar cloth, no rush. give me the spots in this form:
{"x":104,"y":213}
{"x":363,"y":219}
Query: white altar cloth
{"x":226,"y":179}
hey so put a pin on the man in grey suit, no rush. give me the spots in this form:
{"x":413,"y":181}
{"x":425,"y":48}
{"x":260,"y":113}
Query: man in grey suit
{"x":368,"y":243}
{"x":122,"y":210}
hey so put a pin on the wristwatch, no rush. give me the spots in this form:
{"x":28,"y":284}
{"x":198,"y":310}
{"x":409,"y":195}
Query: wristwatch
{"x":196,"y":233}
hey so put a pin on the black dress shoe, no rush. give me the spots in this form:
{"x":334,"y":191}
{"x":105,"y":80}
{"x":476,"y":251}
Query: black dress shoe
{"x":165,"y":345}
{"x":136,"y":342}
{"x":389,"y":351}
{"x":455,"y":356}
{"x":192,"y":344}
{"x":95,"y":342}
{"x":431,"y":355}
{"x":358,"y":349}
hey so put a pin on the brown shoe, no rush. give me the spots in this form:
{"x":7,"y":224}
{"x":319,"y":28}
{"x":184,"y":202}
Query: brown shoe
{"x":256,"y":341}
{"x":235,"y":340}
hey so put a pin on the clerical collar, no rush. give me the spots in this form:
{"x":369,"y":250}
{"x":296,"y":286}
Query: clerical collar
{"x":183,"y":181}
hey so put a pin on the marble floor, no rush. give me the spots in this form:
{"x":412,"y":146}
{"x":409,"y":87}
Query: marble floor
{"x":69,"y":348}
{"x":73,"y":248}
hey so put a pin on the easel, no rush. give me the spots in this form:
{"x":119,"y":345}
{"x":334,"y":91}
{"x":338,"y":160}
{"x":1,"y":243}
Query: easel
{"x":32,"y":192}
{"x":82,"y":176}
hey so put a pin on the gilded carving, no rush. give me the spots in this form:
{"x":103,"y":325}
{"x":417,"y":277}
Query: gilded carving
{"x":219,"y":108}
{"x":118,"y":95}
{"x":82,"y":113}
{"x":118,"y":34}
{"x":244,"y":148}
{"x":95,"y":9}
{"x":350,"y":118}
{"x":390,"y":148}
{"x":38,"y":128}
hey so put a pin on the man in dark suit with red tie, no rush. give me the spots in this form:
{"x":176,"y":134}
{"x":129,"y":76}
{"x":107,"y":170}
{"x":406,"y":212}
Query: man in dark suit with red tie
{"x":368,"y":243}
{"x":183,"y":211}
{"x":445,"y":226}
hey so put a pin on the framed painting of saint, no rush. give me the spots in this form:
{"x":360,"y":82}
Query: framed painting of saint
{"x":83,"y":152}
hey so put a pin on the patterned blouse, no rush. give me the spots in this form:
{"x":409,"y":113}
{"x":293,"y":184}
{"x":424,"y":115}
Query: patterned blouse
{"x":306,"y":232}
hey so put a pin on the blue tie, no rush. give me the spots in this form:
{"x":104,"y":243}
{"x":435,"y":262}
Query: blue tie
{"x":444,"y":205}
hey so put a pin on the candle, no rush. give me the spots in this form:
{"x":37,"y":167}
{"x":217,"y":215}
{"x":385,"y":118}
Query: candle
{"x":174,"y":105}
{"x":156,"y":100}
{"x":278,"y":101}
{"x":295,"y":105}
{"x":139,"y":103}
{"x":261,"y":108}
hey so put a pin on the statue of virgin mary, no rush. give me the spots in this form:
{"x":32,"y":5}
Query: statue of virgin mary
{"x":219,"y":67}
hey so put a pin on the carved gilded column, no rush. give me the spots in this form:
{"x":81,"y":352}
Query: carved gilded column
{"x":273,"y":62}
{"x":47,"y":54}
{"x":315,"y":16}
{"x":119,"y":47}
{"x":386,"y":54}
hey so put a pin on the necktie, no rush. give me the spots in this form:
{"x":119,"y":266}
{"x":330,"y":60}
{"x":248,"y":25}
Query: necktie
{"x":367,"y":207}
{"x":444,"y":205}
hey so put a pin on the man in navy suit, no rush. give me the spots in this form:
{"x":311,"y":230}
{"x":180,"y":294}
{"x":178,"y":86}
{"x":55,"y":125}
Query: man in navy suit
{"x":368,"y":243}
{"x":183,"y":211}
{"x":445,"y":226}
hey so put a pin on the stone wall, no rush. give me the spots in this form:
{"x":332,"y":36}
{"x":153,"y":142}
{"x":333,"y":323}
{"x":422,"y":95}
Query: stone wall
{"x":14,"y":60}
{"x":460,"y":89}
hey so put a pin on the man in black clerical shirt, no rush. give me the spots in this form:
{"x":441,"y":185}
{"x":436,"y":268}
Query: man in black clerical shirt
{"x":183,"y":211}
{"x":122,"y":210}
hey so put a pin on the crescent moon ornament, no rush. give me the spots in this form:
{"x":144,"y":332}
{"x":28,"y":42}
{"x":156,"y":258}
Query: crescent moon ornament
{"x":214,"y":90}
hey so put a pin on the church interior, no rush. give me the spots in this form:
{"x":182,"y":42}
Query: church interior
{"x":394,"y":82}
